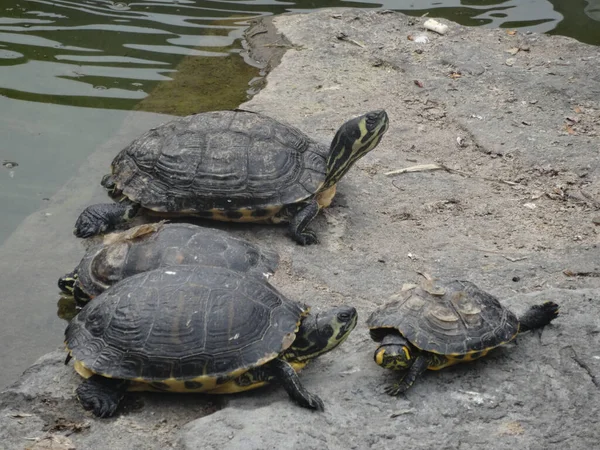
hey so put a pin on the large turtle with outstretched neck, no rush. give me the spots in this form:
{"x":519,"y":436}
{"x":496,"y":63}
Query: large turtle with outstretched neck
{"x":236,"y":166}
{"x":153,"y":245}
{"x":197,"y":329}
{"x":440,"y":324}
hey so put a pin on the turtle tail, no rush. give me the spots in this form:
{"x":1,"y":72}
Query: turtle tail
{"x":538,"y":316}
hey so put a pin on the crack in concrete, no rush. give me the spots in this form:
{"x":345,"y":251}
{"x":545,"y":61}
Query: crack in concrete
{"x":573,"y":355}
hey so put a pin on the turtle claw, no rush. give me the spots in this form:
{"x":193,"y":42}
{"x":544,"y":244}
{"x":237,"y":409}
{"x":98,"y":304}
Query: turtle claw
{"x":99,"y":407}
{"x":94,"y":396}
{"x":307,"y":237}
{"x":312,"y":401}
{"x":101,"y":395}
{"x":396,"y":389}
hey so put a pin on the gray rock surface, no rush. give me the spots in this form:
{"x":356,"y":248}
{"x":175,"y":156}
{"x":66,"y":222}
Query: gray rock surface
{"x":515,"y":119}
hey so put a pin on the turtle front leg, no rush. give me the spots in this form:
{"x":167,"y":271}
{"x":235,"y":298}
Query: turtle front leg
{"x":283,"y":373}
{"x":101,"y":395}
{"x":299,"y":224}
{"x":418,"y":367}
{"x":96,"y":219}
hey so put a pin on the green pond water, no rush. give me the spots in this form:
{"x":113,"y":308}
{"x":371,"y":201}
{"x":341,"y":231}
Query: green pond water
{"x":70,"y":71}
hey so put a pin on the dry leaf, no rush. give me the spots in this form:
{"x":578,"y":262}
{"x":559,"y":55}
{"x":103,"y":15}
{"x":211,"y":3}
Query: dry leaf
{"x":511,"y":32}
{"x":418,"y":168}
{"x":408,"y":287}
{"x":577,"y":109}
{"x":62,"y":424}
{"x":401,"y":413}
{"x":54,"y":443}
{"x":512,"y":429}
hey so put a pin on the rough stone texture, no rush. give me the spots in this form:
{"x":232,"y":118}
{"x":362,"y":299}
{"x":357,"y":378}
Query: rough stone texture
{"x":515,"y":215}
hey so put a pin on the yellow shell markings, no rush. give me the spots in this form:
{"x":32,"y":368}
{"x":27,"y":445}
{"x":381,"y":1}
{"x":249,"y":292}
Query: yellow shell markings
{"x":451,"y":358}
{"x":205,"y":384}
{"x":247,"y":214}
{"x":457,"y":358}
{"x":231,"y":387}
{"x":268,"y":214}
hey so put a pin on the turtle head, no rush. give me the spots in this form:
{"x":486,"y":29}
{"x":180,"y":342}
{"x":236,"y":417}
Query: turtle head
{"x":108,"y":182}
{"x":102,"y":267}
{"x":66,"y":283}
{"x":321,"y":333}
{"x":354,"y":139}
{"x":394,"y":353}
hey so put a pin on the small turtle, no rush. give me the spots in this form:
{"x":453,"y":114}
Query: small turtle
{"x":197,"y":329}
{"x":438,"y":325}
{"x":236,"y":166}
{"x":151,"y":246}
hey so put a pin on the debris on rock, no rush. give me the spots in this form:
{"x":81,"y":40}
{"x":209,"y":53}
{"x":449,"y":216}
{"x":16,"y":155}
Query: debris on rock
{"x":434,"y":25}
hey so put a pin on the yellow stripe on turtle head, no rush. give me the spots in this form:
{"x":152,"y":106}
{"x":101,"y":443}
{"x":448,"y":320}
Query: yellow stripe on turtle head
{"x":379,"y":356}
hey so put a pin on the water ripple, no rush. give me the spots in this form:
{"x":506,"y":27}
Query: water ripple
{"x":131,"y":39}
{"x":140,"y":41}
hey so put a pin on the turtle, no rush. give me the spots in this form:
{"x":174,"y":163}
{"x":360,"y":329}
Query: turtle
{"x":439,"y":324}
{"x":232,"y":165}
{"x":193,"y":328}
{"x":153,"y":245}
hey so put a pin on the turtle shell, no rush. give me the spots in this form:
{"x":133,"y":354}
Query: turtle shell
{"x":452,"y":318}
{"x":221,"y":161}
{"x":150,"y":246}
{"x":183,"y":323}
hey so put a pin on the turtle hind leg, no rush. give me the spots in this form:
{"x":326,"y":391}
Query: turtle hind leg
{"x":418,"y":367}
{"x":299,"y":224}
{"x":538,"y":316}
{"x":282,"y":372}
{"x":96,"y":219}
{"x":101,"y":395}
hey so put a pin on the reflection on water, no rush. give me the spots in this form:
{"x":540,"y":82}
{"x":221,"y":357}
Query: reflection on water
{"x":592,"y":9}
{"x":105,"y":54}
{"x":67,"y":308}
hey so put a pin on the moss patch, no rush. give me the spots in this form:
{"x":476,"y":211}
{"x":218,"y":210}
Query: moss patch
{"x":202,"y":84}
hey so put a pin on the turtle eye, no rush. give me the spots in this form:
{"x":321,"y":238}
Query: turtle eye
{"x":344,"y":316}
